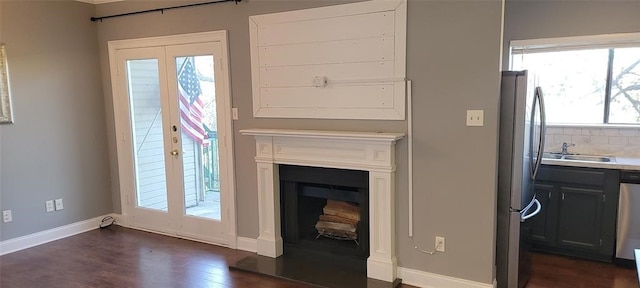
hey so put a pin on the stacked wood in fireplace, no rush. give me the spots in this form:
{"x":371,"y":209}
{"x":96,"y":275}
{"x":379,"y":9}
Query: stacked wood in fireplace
{"x":339,"y":221}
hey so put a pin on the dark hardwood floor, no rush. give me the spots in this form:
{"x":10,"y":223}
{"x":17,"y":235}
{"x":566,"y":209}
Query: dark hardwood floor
{"x":121,"y":257}
{"x":553,"y":271}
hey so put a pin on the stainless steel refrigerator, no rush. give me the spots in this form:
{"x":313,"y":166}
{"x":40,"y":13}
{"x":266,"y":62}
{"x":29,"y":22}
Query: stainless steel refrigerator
{"x":522,"y":129}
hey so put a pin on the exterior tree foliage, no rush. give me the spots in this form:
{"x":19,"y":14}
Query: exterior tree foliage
{"x":627,"y":86}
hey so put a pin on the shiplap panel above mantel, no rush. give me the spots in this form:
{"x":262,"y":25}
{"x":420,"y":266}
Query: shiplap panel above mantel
{"x":359,"y":48}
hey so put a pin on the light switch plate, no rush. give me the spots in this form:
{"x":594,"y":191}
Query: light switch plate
{"x":234,"y":113}
{"x":475,"y":117}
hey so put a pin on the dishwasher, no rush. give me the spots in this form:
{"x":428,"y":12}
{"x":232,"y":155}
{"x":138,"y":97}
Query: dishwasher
{"x":628,"y":230}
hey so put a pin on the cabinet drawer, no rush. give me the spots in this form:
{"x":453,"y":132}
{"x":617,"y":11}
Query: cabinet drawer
{"x":578,"y":175}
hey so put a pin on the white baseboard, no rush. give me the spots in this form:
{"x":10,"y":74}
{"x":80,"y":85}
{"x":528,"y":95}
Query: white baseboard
{"x":247,"y":244}
{"x":431,"y":280}
{"x":39,"y":238}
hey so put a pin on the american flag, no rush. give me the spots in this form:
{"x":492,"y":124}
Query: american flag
{"x":191,"y":105}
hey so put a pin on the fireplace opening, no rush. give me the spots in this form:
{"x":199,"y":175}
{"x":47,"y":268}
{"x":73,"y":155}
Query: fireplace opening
{"x":325,"y":213}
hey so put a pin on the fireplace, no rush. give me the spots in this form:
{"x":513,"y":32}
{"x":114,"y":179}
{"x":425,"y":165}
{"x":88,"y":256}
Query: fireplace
{"x":371,"y":152}
{"x":325,"y":211}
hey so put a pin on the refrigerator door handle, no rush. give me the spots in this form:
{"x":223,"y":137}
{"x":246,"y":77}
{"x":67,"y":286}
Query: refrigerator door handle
{"x":525,"y":209}
{"x":543,"y":131}
{"x":534,"y":213}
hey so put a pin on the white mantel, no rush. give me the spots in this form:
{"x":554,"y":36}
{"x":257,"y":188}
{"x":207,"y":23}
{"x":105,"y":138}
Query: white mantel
{"x":369,"y":151}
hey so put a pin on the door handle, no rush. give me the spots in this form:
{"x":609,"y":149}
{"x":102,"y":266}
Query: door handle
{"x":175,"y":152}
{"x":539,"y":98}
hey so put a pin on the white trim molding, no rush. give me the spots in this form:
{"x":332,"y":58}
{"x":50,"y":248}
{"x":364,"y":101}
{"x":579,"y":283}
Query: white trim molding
{"x":39,"y":238}
{"x":121,"y":116}
{"x":247,"y":244}
{"x":575,"y":42}
{"x":431,"y":280}
{"x":368,"y":151}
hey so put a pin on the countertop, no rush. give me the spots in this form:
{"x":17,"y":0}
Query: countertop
{"x":622,"y":163}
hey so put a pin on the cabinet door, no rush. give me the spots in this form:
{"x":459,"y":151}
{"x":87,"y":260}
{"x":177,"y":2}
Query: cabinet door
{"x":580,"y":218}
{"x":540,"y":224}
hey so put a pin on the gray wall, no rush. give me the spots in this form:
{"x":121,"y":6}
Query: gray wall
{"x":529,"y":19}
{"x":454,"y":62}
{"x":57,"y":146}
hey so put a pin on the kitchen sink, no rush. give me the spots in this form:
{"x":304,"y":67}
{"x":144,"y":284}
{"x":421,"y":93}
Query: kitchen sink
{"x":589,"y":158}
{"x":552,"y":155}
{"x":576,"y":157}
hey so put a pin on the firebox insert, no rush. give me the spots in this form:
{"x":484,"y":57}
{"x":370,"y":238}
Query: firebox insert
{"x":325,"y":211}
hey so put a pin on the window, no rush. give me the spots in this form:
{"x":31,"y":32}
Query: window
{"x":586,"y":83}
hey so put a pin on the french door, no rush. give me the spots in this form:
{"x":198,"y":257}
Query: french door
{"x":174,"y":128}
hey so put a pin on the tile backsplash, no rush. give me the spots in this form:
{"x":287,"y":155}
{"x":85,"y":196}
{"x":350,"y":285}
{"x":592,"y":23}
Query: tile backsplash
{"x":614,"y":141}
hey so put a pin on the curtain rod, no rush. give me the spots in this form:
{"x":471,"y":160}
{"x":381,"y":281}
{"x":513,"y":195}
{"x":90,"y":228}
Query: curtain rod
{"x":161,"y":10}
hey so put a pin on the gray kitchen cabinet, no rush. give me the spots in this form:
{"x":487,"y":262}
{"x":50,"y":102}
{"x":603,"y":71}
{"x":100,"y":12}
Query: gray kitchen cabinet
{"x":540,"y":224}
{"x":580,"y":218}
{"x":579,"y":212}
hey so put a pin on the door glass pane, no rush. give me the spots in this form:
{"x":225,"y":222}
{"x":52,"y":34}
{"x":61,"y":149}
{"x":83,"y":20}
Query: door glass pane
{"x":625,"y":86}
{"x":148,"y":145}
{"x":196,"y":93}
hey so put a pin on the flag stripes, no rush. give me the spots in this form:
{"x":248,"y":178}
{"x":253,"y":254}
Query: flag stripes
{"x":191,"y":104}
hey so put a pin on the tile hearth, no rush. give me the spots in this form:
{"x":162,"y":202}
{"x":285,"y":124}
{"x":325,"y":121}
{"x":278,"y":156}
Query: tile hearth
{"x":315,"y":271}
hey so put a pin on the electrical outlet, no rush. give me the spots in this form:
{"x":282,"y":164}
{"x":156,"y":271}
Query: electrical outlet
{"x":59,"y":204}
{"x":475,"y":117}
{"x":439,"y":244}
{"x":319,"y":81}
{"x":49,"y":205}
{"x":6,"y":216}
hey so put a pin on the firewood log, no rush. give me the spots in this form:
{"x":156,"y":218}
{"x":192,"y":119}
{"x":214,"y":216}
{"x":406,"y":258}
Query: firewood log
{"x":336,"y":226}
{"x":342,"y":209}
{"x":338,"y":233}
{"x":337,"y":219}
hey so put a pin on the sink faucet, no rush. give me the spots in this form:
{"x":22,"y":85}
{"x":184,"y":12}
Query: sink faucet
{"x":566,"y":146}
